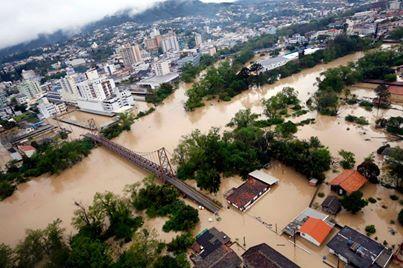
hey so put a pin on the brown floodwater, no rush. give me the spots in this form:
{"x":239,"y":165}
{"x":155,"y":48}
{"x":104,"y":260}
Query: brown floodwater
{"x":41,"y":200}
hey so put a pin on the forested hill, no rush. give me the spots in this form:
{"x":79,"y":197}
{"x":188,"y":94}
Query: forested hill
{"x":165,"y":10}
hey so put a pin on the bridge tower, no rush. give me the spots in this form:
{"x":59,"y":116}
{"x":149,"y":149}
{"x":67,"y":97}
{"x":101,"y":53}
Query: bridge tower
{"x":165,"y":166}
{"x":92,"y":126}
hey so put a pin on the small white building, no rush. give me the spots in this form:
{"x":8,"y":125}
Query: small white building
{"x":161,"y":68}
{"x":264,"y":177}
{"x":273,"y":63}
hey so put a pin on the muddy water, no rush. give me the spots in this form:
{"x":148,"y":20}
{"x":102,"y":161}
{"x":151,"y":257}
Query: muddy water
{"x":38,"y":202}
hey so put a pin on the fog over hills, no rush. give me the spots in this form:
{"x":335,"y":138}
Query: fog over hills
{"x":160,"y":10}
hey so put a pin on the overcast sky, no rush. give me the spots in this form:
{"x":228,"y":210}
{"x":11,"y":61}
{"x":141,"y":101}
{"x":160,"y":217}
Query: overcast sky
{"x":23,"y":20}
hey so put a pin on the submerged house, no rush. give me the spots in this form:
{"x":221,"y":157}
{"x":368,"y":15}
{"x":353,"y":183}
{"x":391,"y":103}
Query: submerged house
{"x":331,"y":205}
{"x":264,"y":256}
{"x":347,"y":182}
{"x":255,"y":186}
{"x":315,"y":230}
{"x":212,"y":250}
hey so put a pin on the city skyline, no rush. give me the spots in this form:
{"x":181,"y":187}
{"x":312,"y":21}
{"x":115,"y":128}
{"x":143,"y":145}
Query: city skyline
{"x":23,"y":20}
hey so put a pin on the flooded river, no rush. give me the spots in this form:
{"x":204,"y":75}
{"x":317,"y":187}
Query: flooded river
{"x":44,"y":199}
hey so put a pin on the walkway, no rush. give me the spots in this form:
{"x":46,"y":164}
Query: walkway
{"x":159,"y":171}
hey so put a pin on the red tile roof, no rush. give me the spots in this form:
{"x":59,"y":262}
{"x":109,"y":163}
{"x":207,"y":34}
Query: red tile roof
{"x":396,"y":90}
{"x":349,"y":180}
{"x":246,"y":192}
{"x":26,"y":148}
{"x":316,"y":228}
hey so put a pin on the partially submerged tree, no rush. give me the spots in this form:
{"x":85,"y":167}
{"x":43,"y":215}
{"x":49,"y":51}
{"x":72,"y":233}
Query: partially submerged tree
{"x":348,"y":160}
{"x":354,"y":202}
{"x":369,"y":169}
{"x":7,"y":258}
{"x":394,"y":164}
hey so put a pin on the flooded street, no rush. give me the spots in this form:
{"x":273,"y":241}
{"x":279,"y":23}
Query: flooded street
{"x":38,"y":202}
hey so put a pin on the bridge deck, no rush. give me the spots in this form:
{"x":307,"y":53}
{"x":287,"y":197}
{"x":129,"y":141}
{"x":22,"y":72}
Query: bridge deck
{"x":154,"y":168}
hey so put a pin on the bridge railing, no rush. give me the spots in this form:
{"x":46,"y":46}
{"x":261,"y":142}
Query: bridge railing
{"x":156,"y":169}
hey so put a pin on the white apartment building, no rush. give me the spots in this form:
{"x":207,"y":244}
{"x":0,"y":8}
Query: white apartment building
{"x":198,"y":39}
{"x":97,"y":89}
{"x":169,"y":42}
{"x":69,"y":92}
{"x":130,"y":54}
{"x":161,"y":68}
{"x":48,"y":109}
{"x":120,"y":100}
{"x":21,"y":98}
{"x":29,"y":88}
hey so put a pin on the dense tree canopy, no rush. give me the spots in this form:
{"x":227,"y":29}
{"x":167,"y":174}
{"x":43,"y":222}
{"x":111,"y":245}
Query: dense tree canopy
{"x":354,"y":202}
{"x":160,"y":94}
{"x":348,"y":159}
{"x":163,"y":200}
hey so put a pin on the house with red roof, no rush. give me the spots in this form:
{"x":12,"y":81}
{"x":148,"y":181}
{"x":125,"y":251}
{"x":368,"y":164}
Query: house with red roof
{"x":347,"y":182}
{"x":257,"y":184}
{"x":247,"y":193}
{"x":315,"y":230}
{"x":26,"y":150}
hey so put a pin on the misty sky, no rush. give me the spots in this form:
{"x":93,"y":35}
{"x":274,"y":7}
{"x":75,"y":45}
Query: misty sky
{"x":23,"y":20}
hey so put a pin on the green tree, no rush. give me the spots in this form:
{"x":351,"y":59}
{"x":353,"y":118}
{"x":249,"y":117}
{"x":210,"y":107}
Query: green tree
{"x":126,"y":120}
{"x":397,"y":33}
{"x":7,"y":259}
{"x":243,"y":118}
{"x":394,"y":166}
{"x":45,"y":244}
{"x":88,"y":252}
{"x":354,"y":202}
{"x":370,"y":229}
{"x":369,"y":169}
{"x":143,"y":252}
{"x":348,"y":160}
{"x":184,"y":218}
{"x":286,"y":129}
{"x":108,"y":214}
{"x":383,"y":94}
{"x":181,"y":243}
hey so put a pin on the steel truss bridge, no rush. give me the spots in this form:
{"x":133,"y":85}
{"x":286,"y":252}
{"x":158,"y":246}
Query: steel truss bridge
{"x":160,"y":166}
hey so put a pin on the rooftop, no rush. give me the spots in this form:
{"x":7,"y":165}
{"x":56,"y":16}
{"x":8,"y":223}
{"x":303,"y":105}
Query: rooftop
{"x":350,"y":180}
{"x":293,"y":227}
{"x":211,"y":249}
{"x":275,"y":60}
{"x":158,"y":80}
{"x":247,"y":192}
{"x":316,"y":228}
{"x":26,"y":148}
{"x":360,"y":250}
{"x":264,"y":256}
{"x":331,"y":204}
{"x":264,"y":177}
